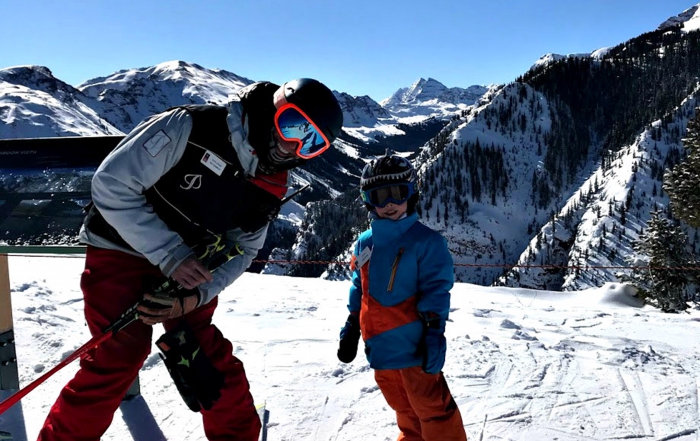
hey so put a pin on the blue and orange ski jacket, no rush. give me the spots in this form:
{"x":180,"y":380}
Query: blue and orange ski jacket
{"x":400,"y":270}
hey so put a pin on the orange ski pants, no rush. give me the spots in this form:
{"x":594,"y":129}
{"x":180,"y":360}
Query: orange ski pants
{"x":425,"y":409}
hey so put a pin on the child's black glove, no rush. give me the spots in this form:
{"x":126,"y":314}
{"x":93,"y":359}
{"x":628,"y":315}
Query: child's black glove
{"x":349,"y":338}
{"x":433,"y":345}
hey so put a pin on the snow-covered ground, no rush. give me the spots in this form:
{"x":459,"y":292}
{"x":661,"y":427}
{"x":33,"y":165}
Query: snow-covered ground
{"x":522,"y":365}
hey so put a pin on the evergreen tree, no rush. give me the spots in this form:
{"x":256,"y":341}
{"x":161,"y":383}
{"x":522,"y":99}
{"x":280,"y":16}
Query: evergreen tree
{"x":327,"y":231}
{"x":665,"y":249}
{"x":682,"y":182}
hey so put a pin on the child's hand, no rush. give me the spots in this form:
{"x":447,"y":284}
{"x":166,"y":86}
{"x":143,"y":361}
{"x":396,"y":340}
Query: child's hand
{"x":434,"y":346}
{"x":349,"y":338}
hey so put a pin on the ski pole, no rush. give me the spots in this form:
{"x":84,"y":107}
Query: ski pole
{"x":123,"y":321}
{"x":215,"y":250}
{"x":287,"y":198}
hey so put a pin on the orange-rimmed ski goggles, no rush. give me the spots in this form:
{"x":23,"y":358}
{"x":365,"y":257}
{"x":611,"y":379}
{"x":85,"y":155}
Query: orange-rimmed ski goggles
{"x":294,"y":125}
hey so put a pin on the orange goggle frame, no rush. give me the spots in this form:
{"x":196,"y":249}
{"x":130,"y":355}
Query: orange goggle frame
{"x":294,"y":125}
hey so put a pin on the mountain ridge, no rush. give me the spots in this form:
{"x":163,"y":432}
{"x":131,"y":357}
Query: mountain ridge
{"x":518,"y":177}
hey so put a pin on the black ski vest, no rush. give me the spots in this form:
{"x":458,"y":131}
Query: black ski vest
{"x":195,"y":201}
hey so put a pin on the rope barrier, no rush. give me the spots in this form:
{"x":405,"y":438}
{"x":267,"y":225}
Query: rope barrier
{"x":498,"y":265}
{"x":467,"y":265}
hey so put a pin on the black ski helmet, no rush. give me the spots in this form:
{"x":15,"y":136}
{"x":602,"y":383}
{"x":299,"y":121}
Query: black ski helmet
{"x":318,"y":102}
{"x":311,"y":96}
{"x":390,"y":169}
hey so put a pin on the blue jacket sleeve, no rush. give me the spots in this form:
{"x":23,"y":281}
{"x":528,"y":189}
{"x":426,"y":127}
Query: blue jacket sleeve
{"x":435,"y":277}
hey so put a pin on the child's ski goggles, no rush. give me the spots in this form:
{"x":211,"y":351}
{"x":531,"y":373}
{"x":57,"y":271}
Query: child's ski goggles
{"x":295,"y":126}
{"x":396,"y":193}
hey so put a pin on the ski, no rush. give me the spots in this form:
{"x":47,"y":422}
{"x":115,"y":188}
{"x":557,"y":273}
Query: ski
{"x":264,"y":416}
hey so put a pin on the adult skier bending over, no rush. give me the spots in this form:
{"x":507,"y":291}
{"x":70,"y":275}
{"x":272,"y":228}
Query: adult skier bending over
{"x":181,"y":178}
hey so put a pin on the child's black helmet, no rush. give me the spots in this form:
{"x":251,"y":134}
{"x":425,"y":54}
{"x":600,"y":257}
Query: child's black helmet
{"x":386,"y":170}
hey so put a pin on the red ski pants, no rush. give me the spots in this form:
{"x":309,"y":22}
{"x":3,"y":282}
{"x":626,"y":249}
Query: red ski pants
{"x":112,"y":282}
{"x":425,"y":409}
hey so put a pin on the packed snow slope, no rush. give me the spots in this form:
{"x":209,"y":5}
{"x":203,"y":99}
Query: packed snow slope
{"x":522,"y":365}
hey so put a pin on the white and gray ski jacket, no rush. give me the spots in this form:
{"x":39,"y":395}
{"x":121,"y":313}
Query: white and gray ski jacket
{"x":135,"y":165}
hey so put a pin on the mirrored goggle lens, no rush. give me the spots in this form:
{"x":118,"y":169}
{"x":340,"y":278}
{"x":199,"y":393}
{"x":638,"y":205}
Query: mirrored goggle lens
{"x":293,"y":125}
{"x":379,"y":197}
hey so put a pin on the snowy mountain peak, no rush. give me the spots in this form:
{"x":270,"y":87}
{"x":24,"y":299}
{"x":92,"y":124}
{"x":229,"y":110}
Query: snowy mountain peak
{"x":689,"y":19}
{"x":181,"y":69}
{"x":421,"y":90}
{"x":360,"y":111}
{"x":550,"y":58}
{"x":424,"y":90}
{"x":177,"y":70}
{"x":33,"y":103}
{"x":34,"y":77}
{"x":18,"y":70}
{"x":130,"y":95}
{"x":430,"y":98}
{"x":431,"y":91}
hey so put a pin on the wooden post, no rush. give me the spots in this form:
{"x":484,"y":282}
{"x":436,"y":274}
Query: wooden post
{"x":9,"y":378}
{"x":5,"y":303}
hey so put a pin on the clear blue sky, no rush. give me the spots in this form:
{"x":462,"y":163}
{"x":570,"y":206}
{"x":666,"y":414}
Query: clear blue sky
{"x":362,"y":47}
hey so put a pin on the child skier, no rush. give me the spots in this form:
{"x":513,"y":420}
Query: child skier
{"x":399,"y":302}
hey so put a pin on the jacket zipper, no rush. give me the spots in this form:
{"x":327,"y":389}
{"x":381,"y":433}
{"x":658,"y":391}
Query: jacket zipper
{"x":393,"y":270}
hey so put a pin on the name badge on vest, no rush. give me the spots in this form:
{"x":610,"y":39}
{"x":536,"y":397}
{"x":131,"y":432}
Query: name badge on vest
{"x":364,"y":257}
{"x":213,"y":162}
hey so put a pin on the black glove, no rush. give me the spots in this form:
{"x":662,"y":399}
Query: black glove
{"x":433,"y":345}
{"x":349,"y":338}
{"x":195,"y":377}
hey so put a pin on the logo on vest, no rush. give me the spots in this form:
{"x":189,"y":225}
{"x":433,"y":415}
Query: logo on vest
{"x":192,"y":182}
